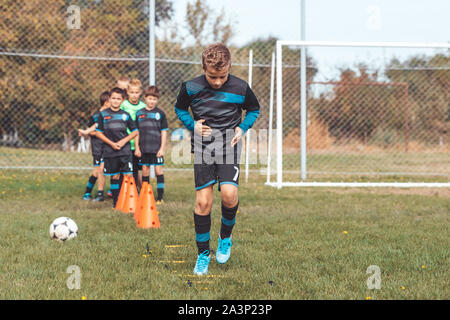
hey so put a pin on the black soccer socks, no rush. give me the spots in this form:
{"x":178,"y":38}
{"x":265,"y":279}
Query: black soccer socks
{"x":90,"y":184}
{"x":146,"y":179}
{"x":228,"y":221}
{"x":115,"y":189}
{"x":202,"y":229}
{"x":160,"y":186}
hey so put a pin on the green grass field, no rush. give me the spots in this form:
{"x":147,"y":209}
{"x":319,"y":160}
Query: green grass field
{"x":287,"y":244}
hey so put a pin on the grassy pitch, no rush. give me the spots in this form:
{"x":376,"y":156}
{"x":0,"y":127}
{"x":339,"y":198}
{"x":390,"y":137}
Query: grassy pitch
{"x":287,"y":244}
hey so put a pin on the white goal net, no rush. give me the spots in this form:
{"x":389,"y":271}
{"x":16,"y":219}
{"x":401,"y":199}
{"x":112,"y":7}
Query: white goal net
{"x":361,"y":114}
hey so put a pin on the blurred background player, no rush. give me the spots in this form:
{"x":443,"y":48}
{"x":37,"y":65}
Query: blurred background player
{"x":113,"y":126}
{"x":132,"y":105}
{"x":217,"y":100}
{"x":97,"y":152}
{"x":150,"y":144}
{"x":123,"y":83}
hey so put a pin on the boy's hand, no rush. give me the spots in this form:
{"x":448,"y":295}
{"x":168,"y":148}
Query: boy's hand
{"x":81,"y":132}
{"x":121,"y":143}
{"x":116,"y":146}
{"x":160,"y":153}
{"x":138,"y":153}
{"x":237,"y":136}
{"x":201,"y":128}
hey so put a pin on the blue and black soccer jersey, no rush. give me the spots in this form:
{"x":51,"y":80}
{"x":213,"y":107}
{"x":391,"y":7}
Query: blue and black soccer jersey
{"x":114,"y":126}
{"x":150,"y":123}
{"x":96,"y":144}
{"x":221,"y":108}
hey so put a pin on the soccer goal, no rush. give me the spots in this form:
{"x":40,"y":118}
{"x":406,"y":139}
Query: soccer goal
{"x":361,"y":114}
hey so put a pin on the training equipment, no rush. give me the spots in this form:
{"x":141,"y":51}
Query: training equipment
{"x":223,"y":250}
{"x":63,"y":228}
{"x":122,"y":194}
{"x":202,"y":264}
{"x":364,"y":132}
{"x":131,"y":196}
{"x":146,"y":215}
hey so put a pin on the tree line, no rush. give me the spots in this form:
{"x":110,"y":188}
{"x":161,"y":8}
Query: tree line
{"x":45,"y":99}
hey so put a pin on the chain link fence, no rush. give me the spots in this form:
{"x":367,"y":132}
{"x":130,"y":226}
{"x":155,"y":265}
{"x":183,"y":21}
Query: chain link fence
{"x":365,"y":117}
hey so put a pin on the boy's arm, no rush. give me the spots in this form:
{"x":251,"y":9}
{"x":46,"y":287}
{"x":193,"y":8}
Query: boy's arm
{"x":137,"y":149}
{"x":114,"y":145}
{"x":251,"y":105}
{"x":101,"y":135}
{"x":125,"y":140}
{"x":164,"y":129}
{"x":131,"y":124}
{"x":182,"y":108}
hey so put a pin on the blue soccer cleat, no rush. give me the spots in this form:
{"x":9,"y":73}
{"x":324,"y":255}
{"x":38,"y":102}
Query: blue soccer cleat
{"x":87,"y":196}
{"x":201,"y":267}
{"x":223,"y":250}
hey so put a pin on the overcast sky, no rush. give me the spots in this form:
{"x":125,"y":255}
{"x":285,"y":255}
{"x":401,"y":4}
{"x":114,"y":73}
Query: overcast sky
{"x":344,"y":20}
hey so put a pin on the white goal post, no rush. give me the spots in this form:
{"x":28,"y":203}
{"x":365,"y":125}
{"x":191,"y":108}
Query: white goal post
{"x":279,"y":183}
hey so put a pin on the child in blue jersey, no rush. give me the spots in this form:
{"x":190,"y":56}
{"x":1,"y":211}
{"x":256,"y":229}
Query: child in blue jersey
{"x":151,"y":141}
{"x":217,"y":100}
{"x":112,"y":129}
{"x":97,"y":152}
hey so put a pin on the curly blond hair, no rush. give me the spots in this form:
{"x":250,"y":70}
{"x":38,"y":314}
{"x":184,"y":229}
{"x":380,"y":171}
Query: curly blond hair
{"x":217,"y":56}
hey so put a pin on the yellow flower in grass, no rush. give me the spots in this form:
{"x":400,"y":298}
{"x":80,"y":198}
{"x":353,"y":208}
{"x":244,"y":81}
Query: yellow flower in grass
{"x":424,"y":267}
{"x":403,"y":288}
{"x":368,"y":298}
{"x":83,"y":298}
{"x":345,"y":232}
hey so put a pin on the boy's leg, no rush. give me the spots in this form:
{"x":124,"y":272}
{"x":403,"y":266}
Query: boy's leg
{"x":228,"y":185}
{"x":90,"y":185}
{"x":115,"y":188}
{"x":145,"y":174}
{"x":230,"y":204}
{"x":202,"y":222}
{"x":205,"y":178}
{"x":159,"y":182}
{"x":136,"y":169}
{"x":101,"y":182}
{"x":112,"y":169}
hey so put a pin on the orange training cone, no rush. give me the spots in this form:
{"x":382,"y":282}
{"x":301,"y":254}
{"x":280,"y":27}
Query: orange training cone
{"x":144,"y":190}
{"x":131,"y":197}
{"x":122,"y":194}
{"x":148,"y":217}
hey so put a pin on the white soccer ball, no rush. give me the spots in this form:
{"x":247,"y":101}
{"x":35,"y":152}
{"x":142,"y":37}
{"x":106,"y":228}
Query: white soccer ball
{"x":63,"y":228}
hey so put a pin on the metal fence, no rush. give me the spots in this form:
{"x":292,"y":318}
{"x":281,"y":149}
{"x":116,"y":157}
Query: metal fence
{"x":365,"y":118}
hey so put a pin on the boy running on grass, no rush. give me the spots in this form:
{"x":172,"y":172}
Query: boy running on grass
{"x":97,"y":152}
{"x":113,"y":126}
{"x":217,"y":100}
{"x":151,"y":141}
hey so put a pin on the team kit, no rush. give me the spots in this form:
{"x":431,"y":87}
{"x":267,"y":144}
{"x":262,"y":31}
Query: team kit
{"x":129,"y":136}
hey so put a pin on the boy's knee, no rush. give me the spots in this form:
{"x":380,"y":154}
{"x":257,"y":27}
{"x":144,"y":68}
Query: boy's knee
{"x":229,"y":198}
{"x":203,"y":206}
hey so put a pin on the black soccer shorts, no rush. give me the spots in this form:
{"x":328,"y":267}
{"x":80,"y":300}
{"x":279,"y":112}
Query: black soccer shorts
{"x":150,"y":159}
{"x":117,"y":165}
{"x":210,"y":174}
{"x":98,"y":160}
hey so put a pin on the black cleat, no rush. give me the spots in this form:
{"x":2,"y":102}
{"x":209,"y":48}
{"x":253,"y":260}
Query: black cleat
{"x":99,"y":198}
